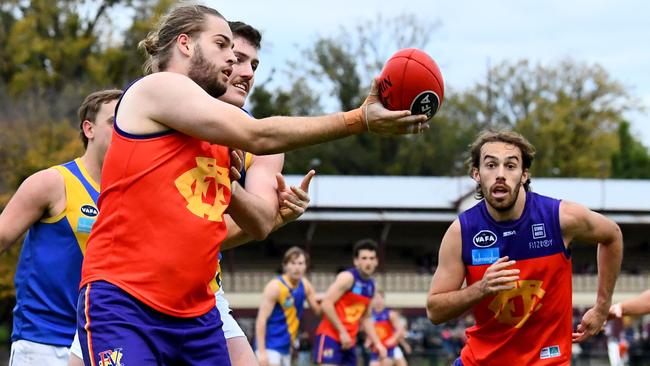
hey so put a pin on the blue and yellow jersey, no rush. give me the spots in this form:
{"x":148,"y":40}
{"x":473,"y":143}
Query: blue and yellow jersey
{"x":49,"y":267}
{"x":282,"y":326}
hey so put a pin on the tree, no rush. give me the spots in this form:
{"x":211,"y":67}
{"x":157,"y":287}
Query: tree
{"x":632,"y":160}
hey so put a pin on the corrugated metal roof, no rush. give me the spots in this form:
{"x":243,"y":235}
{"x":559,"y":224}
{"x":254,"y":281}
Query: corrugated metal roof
{"x":441,"y":193}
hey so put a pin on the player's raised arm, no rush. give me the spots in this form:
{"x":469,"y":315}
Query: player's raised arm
{"x":586,"y":226}
{"x":638,"y":305}
{"x":151,"y":106}
{"x":446,"y":299}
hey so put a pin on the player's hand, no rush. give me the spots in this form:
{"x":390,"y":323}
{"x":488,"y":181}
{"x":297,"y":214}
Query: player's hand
{"x":381,"y":121}
{"x":294,"y":200}
{"x":498,"y":277}
{"x":236,"y":164}
{"x":615,"y":311}
{"x":592,"y":323}
{"x":262,"y":358}
{"x":381,"y":351}
{"x":391,"y":342}
{"x":346,"y":341}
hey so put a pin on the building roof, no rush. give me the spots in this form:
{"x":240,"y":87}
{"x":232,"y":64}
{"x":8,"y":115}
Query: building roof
{"x":388,"y":198}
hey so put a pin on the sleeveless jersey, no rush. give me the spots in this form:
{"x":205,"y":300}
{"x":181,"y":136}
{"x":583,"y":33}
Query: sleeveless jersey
{"x":49,"y":267}
{"x":282,"y":325}
{"x":350,"y":307}
{"x":532,"y":323}
{"x":158,"y":237}
{"x":383,"y":326}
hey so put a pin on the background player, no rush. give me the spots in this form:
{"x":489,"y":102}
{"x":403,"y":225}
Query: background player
{"x":345,"y":306}
{"x":59,"y":206}
{"x":512,"y":248}
{"x":167,"y":125}
{"x":280,"y":312}
{"x":389,"y":329}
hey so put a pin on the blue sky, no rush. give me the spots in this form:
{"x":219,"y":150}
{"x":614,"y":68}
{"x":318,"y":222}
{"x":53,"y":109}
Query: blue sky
{"x":613,"y":34}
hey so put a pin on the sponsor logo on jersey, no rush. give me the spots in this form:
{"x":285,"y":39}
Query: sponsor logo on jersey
{"x":539,"y":231}
{"x":85,"y":224}
{"x":484,"y":256}
{"x":89,"y":210}
{"x":509,"y":233}
{"x":549,"y":352}
{"x":288,"y":302}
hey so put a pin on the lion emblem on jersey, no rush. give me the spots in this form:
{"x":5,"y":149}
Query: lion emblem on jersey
{"x":515,"y":306}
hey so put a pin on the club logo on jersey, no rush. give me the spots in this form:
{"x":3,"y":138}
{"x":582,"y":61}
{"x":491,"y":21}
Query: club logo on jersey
{"x":514,"y":307}
{"x":549,"y":352}
{"x":288,"y":302}
{"x":484,"y":239}
{"x":539,"y":231}
{"x":110,"y":358}
{"x":89,"y":210}
{"x":204,"y":188}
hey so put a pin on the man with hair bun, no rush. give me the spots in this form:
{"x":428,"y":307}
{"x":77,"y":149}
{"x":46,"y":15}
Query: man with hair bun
{"x":145,"y":297}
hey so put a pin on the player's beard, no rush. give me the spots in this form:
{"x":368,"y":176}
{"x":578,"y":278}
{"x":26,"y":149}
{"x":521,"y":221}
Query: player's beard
{"x":206,"y":74}
{"x":505,"y":204}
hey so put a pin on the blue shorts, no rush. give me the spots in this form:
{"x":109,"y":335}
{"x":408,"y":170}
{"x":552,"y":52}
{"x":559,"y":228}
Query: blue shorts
{"x":328,"y":351}
{"x":116,"y":329}
{"x":458,"y":362}
{"x":390,"y":353}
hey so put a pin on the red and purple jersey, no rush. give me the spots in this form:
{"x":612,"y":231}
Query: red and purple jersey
{"x":350,"y":307}
{"x":532,"y":323}
{"x":383,"y":326}
{"x":161,"y":223}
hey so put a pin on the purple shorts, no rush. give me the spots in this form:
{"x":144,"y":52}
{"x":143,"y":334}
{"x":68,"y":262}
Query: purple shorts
{"x":116,"y":329}
{"x":328,"y":351}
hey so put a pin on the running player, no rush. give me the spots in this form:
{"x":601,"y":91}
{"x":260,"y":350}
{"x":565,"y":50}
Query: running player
{"x":512,"y":249}
{"x":280,"y":312}
{"x":58,"y":206}
{"x":345,"y":306}
{"x":389,"y":329}
{"x":154,"y":249}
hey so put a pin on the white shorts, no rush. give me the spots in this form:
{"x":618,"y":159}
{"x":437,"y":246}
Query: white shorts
{"x":75,"y":347}
{"x":277,"y":358}
{"x":27,"y":353}
{"x":230,"y":327}
{"x":397,"y":353}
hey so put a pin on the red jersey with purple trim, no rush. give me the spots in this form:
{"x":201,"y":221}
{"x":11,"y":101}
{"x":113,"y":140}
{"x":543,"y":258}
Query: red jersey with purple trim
{"x":161,"y":223}
{"x":532,"y":323}
{"x":383,"y":326}
{"x":350,"y":307}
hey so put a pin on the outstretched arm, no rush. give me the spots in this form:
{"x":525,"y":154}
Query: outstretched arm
{"x":446,"y":299}
{"x":638,"y":305}
{"x":40,"y":195}
{"x":151,"y":105}
{"x":586,"y":226}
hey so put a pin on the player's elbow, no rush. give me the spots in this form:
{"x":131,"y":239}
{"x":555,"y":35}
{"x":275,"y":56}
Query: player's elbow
{"x":433,"y":311}
{"x":260,"y":231}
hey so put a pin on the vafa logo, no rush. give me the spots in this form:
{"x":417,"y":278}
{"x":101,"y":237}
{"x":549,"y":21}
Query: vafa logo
{"x":484,"y":239}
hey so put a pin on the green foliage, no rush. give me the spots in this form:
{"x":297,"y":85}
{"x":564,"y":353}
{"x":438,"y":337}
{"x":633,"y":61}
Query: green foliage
{"x":632,"y":160}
